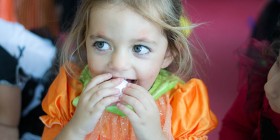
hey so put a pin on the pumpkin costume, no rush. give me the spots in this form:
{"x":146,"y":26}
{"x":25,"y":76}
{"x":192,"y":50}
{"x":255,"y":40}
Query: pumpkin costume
{"x":184,"y":112}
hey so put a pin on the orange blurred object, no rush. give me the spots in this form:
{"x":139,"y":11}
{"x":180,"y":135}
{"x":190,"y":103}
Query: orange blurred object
{"x":36,"y":14}
{"x":32,"y":14}
{"x":7,"y":10}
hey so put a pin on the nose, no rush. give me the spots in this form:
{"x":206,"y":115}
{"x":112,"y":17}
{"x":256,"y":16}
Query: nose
{"x":119,"y":61}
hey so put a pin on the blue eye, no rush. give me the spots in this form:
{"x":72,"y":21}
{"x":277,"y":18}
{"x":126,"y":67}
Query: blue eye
{"x":141,"y":49}
{"x":101,"y":45}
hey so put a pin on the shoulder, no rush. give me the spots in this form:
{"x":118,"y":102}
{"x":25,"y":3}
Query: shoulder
{"x":194,"y":82}
{"x":192,"y":88}
{"x":191,"y":95}
{"x":65,"y":84}
{"x":191,"y":113}
{"x":57,"y":103}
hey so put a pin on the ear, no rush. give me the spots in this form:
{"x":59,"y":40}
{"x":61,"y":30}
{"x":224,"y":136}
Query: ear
{"x":168,"y":58}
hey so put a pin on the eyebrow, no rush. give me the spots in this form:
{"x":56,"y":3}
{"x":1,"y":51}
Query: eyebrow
{"x":99,"y":36}
{"x":141,"y":39}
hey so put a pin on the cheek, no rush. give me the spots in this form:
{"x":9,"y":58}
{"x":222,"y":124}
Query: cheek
{"x":89,"y":55}
{"x":95,"y":67}
{"x":148,"y":76}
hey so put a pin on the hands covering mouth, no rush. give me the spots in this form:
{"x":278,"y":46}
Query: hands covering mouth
{"x":122,"y":86}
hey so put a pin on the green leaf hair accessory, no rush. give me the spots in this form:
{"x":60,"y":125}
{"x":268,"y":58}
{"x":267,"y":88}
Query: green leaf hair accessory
{"x":164,"y":82}
{"x":186,"y":25}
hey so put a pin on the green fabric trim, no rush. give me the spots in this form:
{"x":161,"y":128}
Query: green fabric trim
{"x":164,"y":82}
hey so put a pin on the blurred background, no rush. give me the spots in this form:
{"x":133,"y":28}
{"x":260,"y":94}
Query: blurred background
{"x":228,"y":26}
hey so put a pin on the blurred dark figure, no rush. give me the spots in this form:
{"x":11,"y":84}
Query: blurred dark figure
{"x":28,"y":32}
{"x":67,"y":12}
{"x":251,"y":117}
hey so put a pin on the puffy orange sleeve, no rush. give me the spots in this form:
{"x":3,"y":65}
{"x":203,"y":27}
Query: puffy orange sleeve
{"x":192,"y":117}
{"x":57,"y":104}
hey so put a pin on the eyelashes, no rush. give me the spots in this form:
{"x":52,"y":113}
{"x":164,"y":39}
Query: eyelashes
{"x":138,"y":49}
{"x":141,"y":49}
{"x":102,"y":46}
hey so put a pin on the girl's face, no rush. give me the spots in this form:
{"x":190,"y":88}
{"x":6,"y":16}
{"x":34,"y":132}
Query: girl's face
{"x":125,"y":44}
{"x":272,"y":87}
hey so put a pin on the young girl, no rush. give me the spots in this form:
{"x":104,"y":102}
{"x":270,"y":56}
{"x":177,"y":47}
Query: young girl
{"x":136,"y":41}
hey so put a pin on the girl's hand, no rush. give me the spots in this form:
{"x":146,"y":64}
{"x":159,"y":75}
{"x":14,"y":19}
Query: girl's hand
{"x":145,"y":118}
{"x":99,"y":94}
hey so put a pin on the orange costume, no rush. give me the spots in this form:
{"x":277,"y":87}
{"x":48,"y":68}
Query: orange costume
{"x":184,"y":112}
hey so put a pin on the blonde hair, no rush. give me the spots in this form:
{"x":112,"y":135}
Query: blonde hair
{"x":168,"y":17}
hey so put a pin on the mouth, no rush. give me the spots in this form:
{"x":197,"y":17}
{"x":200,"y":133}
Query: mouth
{"x":131,"y":81}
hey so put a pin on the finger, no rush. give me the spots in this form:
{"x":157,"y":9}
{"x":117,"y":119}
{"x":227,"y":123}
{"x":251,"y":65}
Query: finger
{"x":141,"y":94}
{"x":90,"y":93}
{"x":99,"y":95}
{"x":138,"y":107}
{"x":97,"y":80}
{"x":102,"y":104}
{"x":140,"y":89}
{"x":134,"y":86}
{"x":107,"y":84}
{"x":132,"y":116}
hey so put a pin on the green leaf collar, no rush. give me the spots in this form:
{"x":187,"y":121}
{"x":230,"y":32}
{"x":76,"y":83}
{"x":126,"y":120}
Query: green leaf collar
{"x":164,"y":82}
